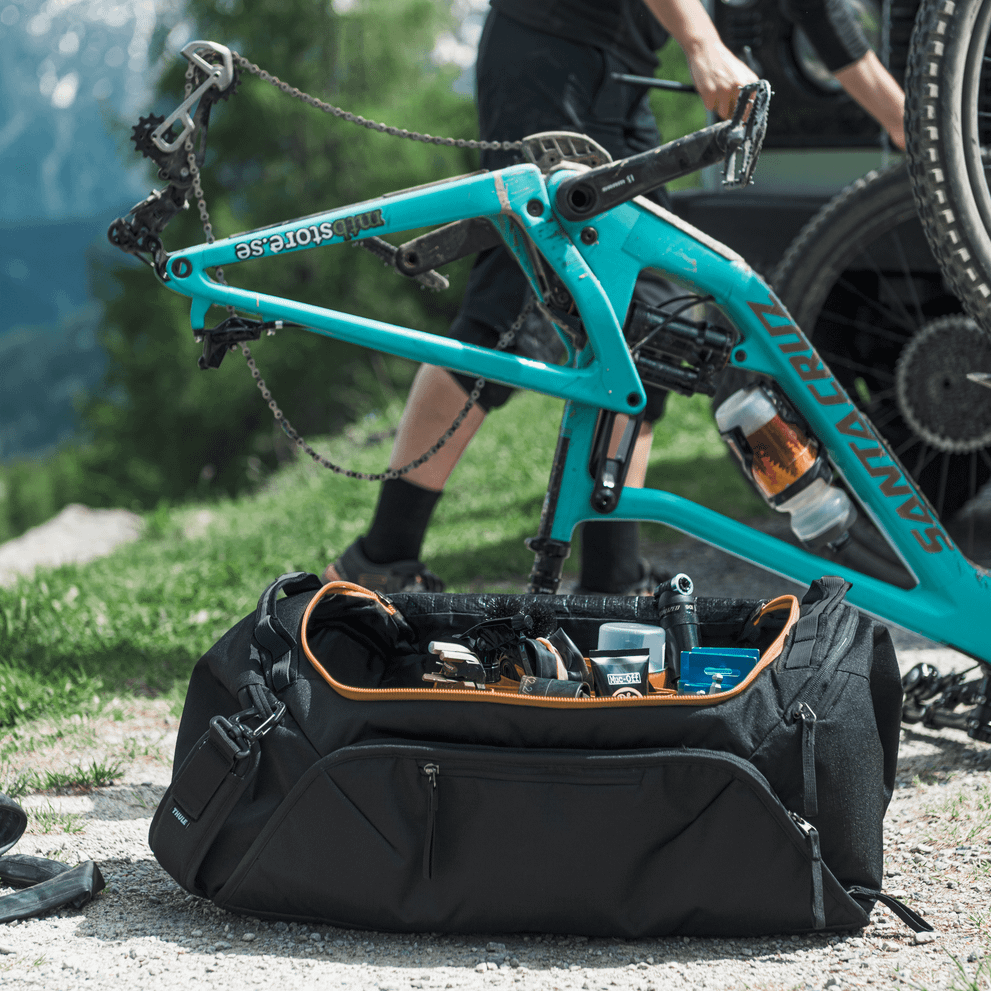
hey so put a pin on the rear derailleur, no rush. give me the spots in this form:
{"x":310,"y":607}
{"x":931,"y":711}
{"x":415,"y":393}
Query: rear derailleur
{"x":213,"y":77}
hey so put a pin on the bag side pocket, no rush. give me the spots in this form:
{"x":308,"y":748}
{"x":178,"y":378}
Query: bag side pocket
{"x":204,"y":791}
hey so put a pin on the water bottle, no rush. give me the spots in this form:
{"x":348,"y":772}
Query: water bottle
{"x":785,"y":464}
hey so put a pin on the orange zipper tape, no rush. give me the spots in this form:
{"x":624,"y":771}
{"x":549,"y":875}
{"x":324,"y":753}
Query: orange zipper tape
{"x":789,"y":602}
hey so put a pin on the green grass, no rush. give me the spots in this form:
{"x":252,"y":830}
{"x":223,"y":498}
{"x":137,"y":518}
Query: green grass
{"x":50,"y":820}
{"x":135,"y":622}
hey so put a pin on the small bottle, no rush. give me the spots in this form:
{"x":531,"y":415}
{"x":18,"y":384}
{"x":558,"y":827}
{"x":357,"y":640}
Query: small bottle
{"x":785,"y":464}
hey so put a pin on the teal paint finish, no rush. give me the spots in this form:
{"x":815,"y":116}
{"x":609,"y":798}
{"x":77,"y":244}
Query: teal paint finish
{"x":950,"y":604}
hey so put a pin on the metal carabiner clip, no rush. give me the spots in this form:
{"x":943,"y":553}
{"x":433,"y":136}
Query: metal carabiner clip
{"x":220,"y":76}
{"x":263,"y":727}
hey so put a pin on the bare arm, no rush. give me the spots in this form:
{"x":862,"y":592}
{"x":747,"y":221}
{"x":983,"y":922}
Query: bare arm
{"x":874,"y":88}
{"x":717,"y":73}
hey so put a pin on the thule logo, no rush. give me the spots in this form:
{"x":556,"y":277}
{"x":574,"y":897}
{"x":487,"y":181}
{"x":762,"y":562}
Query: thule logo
{"x":180,"y":816}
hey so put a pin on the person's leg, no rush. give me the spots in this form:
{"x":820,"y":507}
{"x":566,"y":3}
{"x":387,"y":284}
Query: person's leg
{"x":434,"y":400}
{"x":387,"y":557}
{"x":406,"y":504}
{"x":611,"y":562}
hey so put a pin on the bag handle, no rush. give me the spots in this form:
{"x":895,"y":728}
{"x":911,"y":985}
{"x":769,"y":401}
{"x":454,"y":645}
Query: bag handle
{"x":270,"y":633}
{"x":803,"y":643}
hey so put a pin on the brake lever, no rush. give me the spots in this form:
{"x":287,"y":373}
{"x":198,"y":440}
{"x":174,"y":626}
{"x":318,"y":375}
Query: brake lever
{"x":746,"y":137}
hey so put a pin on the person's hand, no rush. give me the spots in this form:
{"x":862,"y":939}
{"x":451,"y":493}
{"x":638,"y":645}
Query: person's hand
{"x":897,"y":134}
{"x":718,"y":75}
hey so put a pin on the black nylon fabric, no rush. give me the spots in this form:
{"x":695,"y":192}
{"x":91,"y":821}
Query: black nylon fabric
{"x":334,"y":825}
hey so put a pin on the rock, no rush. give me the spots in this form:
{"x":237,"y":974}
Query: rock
{"x":76,"y":535}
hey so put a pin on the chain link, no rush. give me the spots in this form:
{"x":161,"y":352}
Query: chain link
{"x":398,"y":132}
{"x":505,"y":340}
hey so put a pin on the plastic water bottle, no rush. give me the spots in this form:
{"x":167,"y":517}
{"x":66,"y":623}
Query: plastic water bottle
{"x":785,"y":464}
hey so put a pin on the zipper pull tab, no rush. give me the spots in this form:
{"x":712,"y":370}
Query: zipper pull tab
{"x":810,"y":797}
{"x":815,"y":858}
{"x":431,"y":771}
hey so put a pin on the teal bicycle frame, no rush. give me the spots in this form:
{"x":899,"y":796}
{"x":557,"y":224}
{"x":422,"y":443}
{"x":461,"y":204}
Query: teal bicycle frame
{"x":951,"y":602}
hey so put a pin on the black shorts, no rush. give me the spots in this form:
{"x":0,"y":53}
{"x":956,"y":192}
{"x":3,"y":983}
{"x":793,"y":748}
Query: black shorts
{"x":528,"y":82}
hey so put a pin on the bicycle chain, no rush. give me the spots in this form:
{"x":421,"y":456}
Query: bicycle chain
{"x":505,"y":340}
{"x":398,"y":132}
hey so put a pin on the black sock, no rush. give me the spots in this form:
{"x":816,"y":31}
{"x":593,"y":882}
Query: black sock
{"x":401,"y":519}
{"x":610,"y":555}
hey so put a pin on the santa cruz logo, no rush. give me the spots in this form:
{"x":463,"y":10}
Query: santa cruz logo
{"x":301,"y":237}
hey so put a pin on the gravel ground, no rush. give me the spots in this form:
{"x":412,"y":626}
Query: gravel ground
{"x":145,"y":932}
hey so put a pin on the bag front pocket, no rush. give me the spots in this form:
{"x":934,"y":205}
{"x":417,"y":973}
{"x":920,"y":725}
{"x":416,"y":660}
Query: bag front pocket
{"x":411,"y":837}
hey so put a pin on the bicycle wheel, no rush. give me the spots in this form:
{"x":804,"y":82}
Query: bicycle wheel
{"x":947,"y":123}
{"x":860,"y":280}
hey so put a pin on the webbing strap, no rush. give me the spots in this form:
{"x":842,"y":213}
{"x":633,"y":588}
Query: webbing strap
{"x":909,"y":916}
{"x":818,"y":905}
{"x":810,"y":797}
{"x":806,"y":632}
{"x":270,"y":633}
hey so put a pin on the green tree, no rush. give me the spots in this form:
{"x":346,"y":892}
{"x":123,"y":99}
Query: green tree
{"x":162,"y":427}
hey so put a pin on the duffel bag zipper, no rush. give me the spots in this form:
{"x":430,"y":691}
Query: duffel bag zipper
{"x":452,"y":694}
{"x":802,"y":710}
{"x":815,"y":856}
{"x":430,"y":771}
{"x":810,"y":796}
{"x":482,"y":759}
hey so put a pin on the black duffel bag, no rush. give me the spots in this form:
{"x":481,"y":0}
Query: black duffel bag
{"x":319,"y":778}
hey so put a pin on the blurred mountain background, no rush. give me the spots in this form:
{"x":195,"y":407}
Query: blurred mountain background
{"x":100,"y":398}
{"x":71,"y":75}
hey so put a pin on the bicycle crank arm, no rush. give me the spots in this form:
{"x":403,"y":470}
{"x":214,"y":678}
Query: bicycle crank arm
{"x":735,"y":142}
{"x":446,"y":244}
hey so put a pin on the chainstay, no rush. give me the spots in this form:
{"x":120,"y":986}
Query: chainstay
{"x":397,"y":132}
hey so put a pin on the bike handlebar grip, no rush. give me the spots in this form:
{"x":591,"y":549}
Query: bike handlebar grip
{"x":602,"y":188}
{"x":940,"y":719}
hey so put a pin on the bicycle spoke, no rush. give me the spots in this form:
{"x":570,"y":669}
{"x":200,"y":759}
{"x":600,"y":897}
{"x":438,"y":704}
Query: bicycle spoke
{"x":838,"y":361}
{"x":882,"y":280}
{"x":944,"y":473}
{"x":883,"y":310}
{"x":888,"y":415}
{"x":907,"y":273}
{"x":905,"y":446}
{"x":862,"y":325}
{"x":882,"y":395}
{"x":923,"y":461}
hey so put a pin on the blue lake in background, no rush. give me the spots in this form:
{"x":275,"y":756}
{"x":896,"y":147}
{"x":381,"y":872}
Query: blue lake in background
{"x":74,"y":78}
